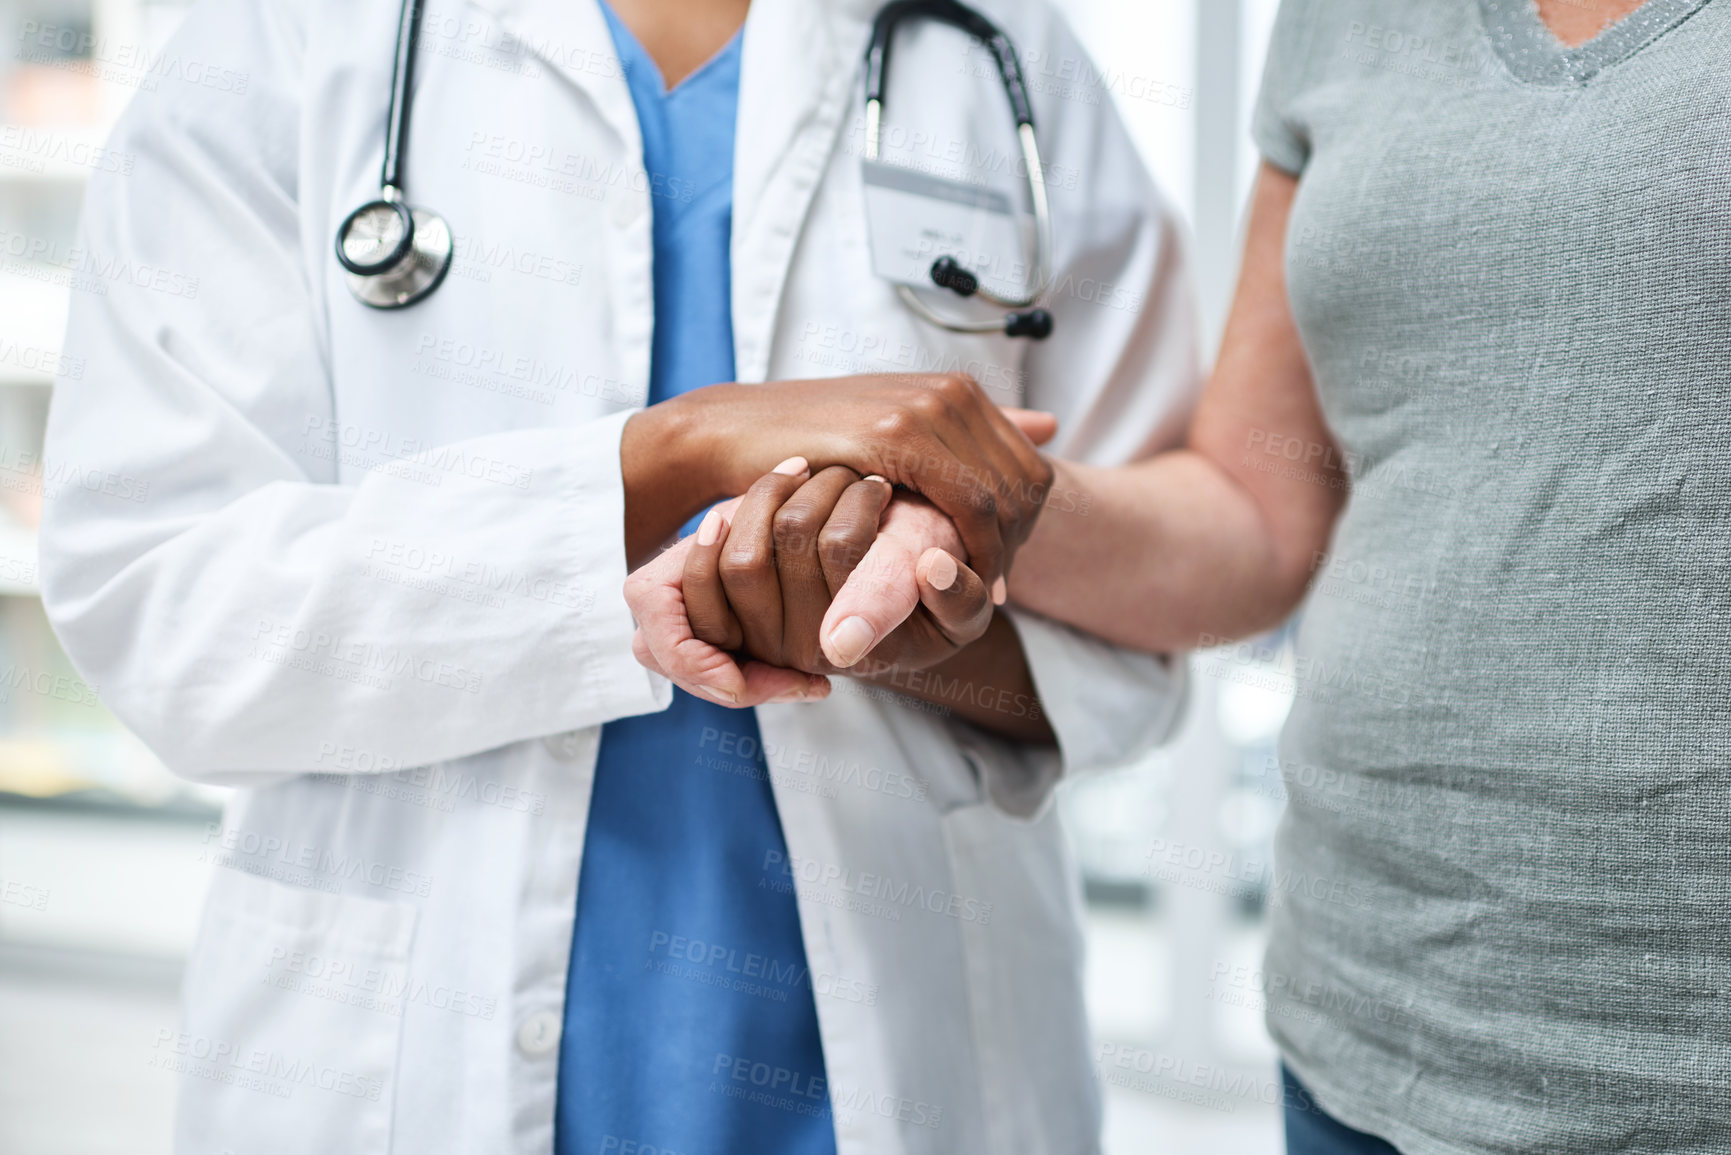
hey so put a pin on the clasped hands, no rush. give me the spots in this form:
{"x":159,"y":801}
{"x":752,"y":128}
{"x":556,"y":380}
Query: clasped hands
{"x":818,"y":571}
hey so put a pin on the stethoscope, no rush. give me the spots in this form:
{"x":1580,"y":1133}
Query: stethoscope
{"x":946,"y":272}
{"x":397,"y":254}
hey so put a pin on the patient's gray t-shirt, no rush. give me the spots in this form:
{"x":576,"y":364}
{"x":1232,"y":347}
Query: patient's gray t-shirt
{"x":1502,"y":903}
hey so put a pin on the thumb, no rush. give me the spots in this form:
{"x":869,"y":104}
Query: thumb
{"x":876,"y":598}
{"x":1038,"y":427}
{"x":955,"y":596}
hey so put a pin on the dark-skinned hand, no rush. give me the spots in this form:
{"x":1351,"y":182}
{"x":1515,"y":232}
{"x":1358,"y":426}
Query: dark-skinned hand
{"x":938,"y":435}
{"x":802,"y":577}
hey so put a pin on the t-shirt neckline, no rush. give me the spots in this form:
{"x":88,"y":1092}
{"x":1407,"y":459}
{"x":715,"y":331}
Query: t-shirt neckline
{"x":1533,"y":54}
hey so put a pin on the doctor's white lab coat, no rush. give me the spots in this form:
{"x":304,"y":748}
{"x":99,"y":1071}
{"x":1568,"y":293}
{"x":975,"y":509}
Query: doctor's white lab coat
{"x":367,"y":566}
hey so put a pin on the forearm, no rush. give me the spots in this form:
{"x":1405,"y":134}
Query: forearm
{"x":1218,"y":539}
{"x":666,"y":477}
{"x":1170,"y":550}
{"x":987,"y":683}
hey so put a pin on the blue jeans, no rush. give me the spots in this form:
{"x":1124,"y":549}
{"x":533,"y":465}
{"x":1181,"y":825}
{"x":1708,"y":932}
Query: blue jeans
{"x":1312,"y":1131}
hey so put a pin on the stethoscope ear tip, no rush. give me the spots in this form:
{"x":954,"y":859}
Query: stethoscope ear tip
{"x":947,"y":273}
{"x":1035,"y":324}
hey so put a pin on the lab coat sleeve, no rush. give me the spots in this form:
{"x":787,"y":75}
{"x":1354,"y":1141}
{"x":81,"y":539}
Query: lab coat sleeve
{"x":1122,"y":372}
{"x":242,"y":612}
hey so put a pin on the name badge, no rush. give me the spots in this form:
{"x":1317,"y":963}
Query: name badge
{"x":913,"y":218}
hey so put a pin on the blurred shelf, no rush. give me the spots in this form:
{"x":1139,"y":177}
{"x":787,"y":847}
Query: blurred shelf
{"x":68,"y":175}
{"x":96,"y":770}
{"x":108,"y":884}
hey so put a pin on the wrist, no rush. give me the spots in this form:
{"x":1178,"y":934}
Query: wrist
{"x":663,"y":448}
{"x":662,"y":473}
{"x":712,"y":427}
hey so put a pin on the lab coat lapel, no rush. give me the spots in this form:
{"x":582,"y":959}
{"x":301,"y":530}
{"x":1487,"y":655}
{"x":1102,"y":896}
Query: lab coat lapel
{"x":572,"y":37}
{"x":798,"y":76}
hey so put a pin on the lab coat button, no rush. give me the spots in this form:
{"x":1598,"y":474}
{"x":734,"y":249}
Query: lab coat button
{"x":539,"y":1034}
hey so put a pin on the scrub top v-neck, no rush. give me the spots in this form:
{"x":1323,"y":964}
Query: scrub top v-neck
{"x":688,"y":973}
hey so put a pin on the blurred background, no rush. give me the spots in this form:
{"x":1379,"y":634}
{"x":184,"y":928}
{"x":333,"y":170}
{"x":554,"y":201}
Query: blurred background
{"x":102,"y":850}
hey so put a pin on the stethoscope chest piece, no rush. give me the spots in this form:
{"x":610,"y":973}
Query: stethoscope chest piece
{"x":394,"y":254}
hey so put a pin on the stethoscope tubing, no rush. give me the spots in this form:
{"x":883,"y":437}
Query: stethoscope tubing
{"x":365,"y":277}
{"x":877,"y":66}
{"x":402,"y":83}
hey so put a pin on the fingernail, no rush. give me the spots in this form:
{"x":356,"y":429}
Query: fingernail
{"x":942,"y":573}
{"x":876,"y":477}
{"x":1000,"y":592}
{"x":816,"y":686}
{"x":709,"y":528}
{"x":721,"y":696}
{"x":792,"y":467}
{"x":849,"y":641}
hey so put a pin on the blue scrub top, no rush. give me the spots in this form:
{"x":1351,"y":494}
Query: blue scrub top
{"x":689,"y":1021}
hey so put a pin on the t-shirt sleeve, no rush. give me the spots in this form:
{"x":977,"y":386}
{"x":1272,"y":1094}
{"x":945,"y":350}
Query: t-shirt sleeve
{"x":1279,"y":134}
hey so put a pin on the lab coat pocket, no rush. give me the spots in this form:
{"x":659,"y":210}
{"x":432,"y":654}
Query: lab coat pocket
{"x":293,"y":1012}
